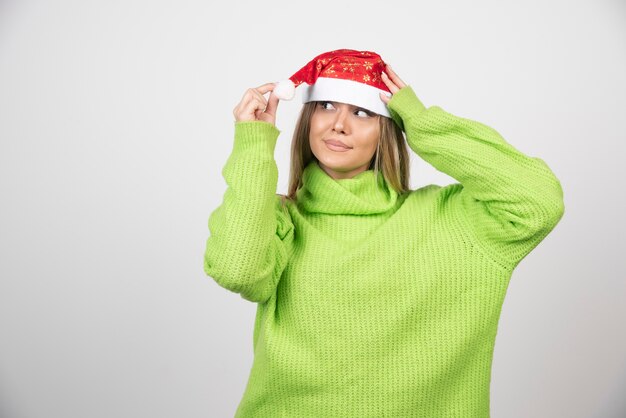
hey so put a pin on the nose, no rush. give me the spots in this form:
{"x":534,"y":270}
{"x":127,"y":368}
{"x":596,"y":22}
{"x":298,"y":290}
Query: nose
{"x":340,"y":119}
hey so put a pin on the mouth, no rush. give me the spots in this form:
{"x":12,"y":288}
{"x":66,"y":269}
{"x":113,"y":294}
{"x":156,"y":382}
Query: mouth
{"x":335,"y":144}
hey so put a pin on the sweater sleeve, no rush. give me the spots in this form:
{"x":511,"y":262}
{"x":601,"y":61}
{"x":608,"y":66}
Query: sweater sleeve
{"x":251,"y":232}
{"x":507,"y":201}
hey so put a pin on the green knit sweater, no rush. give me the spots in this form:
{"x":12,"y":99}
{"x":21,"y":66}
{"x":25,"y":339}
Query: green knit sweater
{"x":371,"y":303}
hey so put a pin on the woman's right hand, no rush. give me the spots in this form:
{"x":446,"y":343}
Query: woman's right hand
{"x":254,"y":106}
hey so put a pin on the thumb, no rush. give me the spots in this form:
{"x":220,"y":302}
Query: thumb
{"x":272,"y":104}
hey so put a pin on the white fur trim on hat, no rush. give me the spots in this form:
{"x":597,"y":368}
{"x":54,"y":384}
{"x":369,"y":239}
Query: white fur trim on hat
{"x":346,"y":91}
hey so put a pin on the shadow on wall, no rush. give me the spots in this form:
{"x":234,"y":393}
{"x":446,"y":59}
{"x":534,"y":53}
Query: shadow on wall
{"x":614,"y":403}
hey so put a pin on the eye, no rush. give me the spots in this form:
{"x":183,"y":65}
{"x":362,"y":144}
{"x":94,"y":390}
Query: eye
{"x":365,"y":113}
{"x":323,"y":104}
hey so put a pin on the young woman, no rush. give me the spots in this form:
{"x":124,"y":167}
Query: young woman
{"x":373,"y":300}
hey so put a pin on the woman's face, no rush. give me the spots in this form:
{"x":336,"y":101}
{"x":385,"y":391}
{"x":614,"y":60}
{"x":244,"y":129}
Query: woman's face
{"x":356,"y":127}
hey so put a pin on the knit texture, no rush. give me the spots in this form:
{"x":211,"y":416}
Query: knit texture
{"x":371,"y":303}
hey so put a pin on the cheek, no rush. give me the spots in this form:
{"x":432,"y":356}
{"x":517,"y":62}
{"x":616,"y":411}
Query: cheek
{"x":371,"y":136}
{"x":317,"y":124}
{"x":315,"y":136}
{"x":314,"y":130}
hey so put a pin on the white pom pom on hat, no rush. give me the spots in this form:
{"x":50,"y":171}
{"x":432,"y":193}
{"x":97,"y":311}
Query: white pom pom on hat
{"x":285,"y":89}
{"x":343,"y":75}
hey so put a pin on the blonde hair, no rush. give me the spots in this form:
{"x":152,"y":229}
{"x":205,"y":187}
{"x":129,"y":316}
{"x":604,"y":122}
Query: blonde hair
{"x":391,"y":157}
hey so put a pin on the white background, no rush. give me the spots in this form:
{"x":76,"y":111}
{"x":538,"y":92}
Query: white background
{"x":115,"y":123}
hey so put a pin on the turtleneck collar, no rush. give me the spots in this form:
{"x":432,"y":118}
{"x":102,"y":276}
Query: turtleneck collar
{"x":359,"y":195}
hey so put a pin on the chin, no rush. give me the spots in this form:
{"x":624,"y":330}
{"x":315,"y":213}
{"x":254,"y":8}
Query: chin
{"x":335,"y":162}
{"x":341,"y":162}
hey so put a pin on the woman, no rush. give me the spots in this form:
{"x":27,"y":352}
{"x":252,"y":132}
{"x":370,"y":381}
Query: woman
{"x":373,"y":299}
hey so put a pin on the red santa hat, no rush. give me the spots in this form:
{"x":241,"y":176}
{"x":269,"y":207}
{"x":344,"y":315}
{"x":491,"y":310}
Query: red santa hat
{"x":343,"y":75}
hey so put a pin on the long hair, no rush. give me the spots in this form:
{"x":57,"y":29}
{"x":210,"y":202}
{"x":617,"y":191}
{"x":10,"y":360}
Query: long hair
{"x":391,"y":158}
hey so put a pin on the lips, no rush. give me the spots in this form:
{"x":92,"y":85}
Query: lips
{"x":336,"y":143}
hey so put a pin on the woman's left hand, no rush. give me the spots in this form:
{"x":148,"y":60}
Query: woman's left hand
{"x":393,"y":82}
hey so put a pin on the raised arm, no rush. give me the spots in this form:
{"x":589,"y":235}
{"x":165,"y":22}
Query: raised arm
{"x":251,"y":233}
{"x":508,"y":201}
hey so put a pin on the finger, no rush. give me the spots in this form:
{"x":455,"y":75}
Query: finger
{"x":260,"y":97}
{"x":247,"y":98}
{"x":260,"y":104}
{"x":384,"y":98}
{"x":272,"y":104}
{"x":253,"y":107}
{"x":390,"y":84}
{"x":255,"y":92}
{"x":251,"y":102}
{"x":394,"y":77}
{"x":259,"y":110}
{"x":254,"y":102}
{"x":265,"y":88}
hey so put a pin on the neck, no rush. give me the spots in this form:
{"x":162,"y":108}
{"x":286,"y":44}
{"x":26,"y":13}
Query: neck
{"x":338,"y":174}
{"x":363,"y":194}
